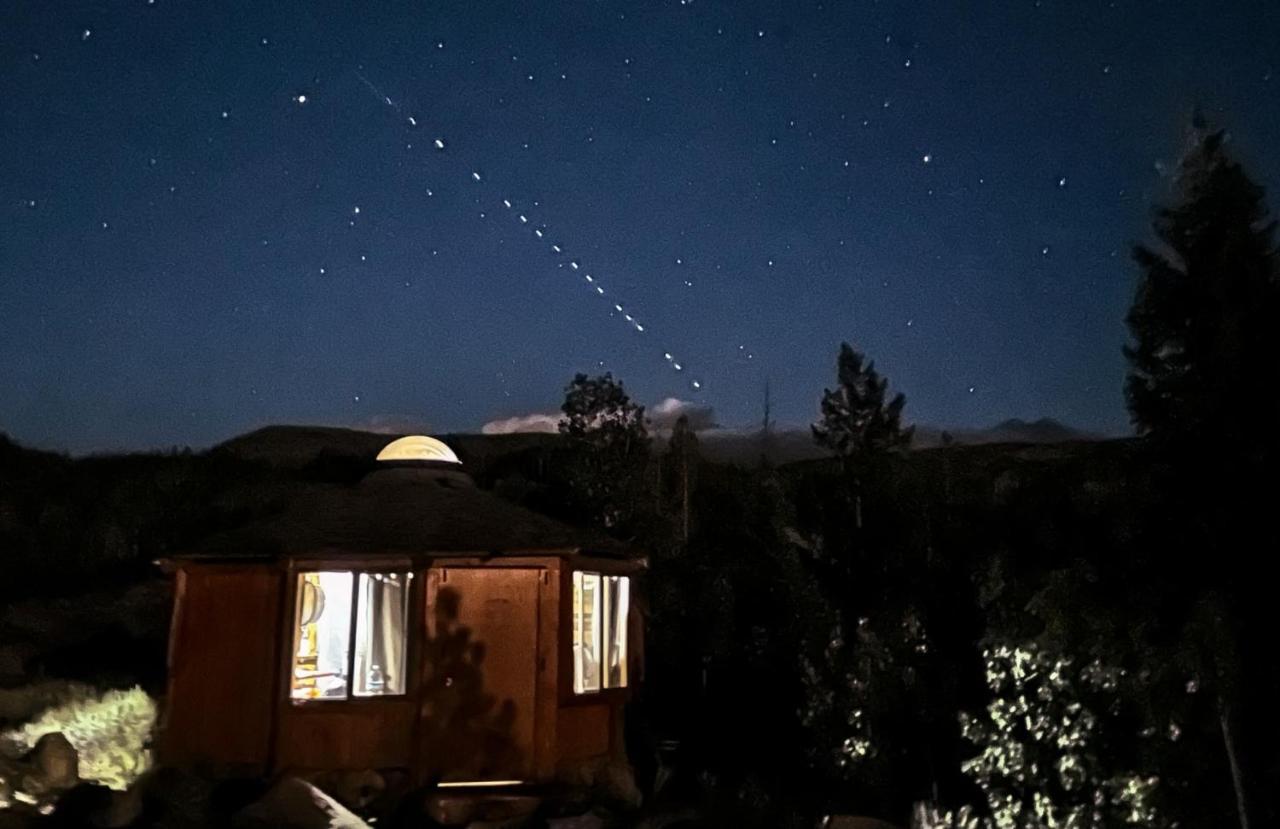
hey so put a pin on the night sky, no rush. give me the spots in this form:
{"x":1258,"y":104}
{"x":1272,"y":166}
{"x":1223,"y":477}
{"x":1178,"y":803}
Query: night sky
{"x":221,"y":215}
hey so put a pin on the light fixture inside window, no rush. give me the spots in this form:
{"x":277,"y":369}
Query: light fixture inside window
{"x":350,"y":635}
{"x":600,"y":608}
{"x":322,"y":637}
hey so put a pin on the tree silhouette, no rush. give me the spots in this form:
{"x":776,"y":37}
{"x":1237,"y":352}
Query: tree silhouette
{"x":1206,"y":338}
{"x":856,"y":421}
{"x":857,"y":424}
{"x":682,"y":460}
{"x":1204,"y":322}
{"x":609,"y":445}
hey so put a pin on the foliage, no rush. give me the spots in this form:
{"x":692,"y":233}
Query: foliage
{"x":680,"y":472}
{"x":1047,"y":749}
{"x":1206,"y":335}
{"x":728,"y":616}
{"x":89,"y":523}
{"x":26,"y":701}
{"x":856,"y":421}
{"x":1204,"y":319}
{"x":879,"y":681}
{"x":111,"y":732}
{"x":608,"y":449}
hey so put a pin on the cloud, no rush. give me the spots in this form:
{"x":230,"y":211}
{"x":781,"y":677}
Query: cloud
{"x":661,"y":417}
{"x":392,"y":424}
{"x":535,"y":422}
{"x":664,"y":415}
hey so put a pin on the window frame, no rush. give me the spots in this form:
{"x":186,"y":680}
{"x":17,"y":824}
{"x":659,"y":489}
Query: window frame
{"x":302,"y":569}
{"x":604,"y":691}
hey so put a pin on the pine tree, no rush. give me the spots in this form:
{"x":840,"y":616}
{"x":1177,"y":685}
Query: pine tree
{"x":682,"y":454}
{"x":856,"y":421}
{"x":863,"y":705}
{"x":1206,"y":320}
{"x":608,"y":446}
{"x":1206,"y":341}
{"x":857,"y":425}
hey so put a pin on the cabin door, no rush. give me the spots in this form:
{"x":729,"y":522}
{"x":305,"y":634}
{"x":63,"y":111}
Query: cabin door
{"x":480,"y":674}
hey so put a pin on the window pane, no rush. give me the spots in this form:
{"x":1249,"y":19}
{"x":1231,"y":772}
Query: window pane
{"x":617,"y":602}
{"x":322,"y":633}
{"x":587,"y":638}
{"x":381,"y":615}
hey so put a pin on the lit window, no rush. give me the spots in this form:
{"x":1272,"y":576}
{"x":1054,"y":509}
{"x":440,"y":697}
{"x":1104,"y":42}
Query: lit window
{"x":617,"y":601}
{"x":600,"y":607}
{"x":349,"y":635}
{"x":381,"y":615}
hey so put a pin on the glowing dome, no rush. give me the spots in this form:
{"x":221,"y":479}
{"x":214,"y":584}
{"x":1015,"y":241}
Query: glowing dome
{"x":418,"y":448}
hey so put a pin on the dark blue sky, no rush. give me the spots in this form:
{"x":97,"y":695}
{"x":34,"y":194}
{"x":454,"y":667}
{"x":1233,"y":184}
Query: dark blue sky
{"x":954,"y":191}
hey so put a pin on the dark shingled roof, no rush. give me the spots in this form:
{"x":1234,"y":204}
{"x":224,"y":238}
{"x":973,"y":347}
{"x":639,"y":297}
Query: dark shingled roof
{"x":416,"y":510}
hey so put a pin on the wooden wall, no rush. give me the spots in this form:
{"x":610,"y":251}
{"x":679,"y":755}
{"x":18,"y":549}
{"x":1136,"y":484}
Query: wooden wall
{"x":223,"y":651}
{"x":491,"y":696}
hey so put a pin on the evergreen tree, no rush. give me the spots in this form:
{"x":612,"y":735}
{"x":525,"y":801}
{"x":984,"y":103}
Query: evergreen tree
{"x":856,"y":421}
{"x":682,"y":457}
{"x":1205,"y":320}
{"x":608,"y":446}
{"x":1206,"y":340}
{"x":865,"y":704}
{"x":857,"y":425}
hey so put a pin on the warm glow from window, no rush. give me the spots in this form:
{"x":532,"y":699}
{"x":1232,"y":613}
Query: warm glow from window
{"x":617,"y":602}
{"x":381,"y":617}
{"x":322,"y":636}
{"x":350,"y":627}
{"x":600,"y":607}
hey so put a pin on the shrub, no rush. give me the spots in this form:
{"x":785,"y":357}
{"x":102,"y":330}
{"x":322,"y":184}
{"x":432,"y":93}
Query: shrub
{"x":111,"y":732}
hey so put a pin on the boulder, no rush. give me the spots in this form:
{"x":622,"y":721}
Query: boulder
{"x":296,"y":804}
{"x":590,"y":820}
{"x":854,"y":822}
{"x":53,"y":764}
{"x":19,"y":820}
{"x":616,"y":783}
{"x":458,"y":807}
{"x":354,"y":789}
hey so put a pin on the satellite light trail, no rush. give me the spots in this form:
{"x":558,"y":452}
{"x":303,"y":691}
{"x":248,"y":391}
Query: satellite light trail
{"x":617,"y":308}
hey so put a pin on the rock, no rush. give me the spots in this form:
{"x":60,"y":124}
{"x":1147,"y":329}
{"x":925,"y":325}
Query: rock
{"x":179,"y":798}
{"x":78,"y":805}
{"x":853,"y":822}
{"x":671,"y":817}
{"x":19,"y":820}
{"x":588,"y":821}
{"x":296,"y":804}
{"x":353,"y":789}
{"x":508,"y":823}
{"x":469,"y":808}
{"x":55,"y":765}
{"x":617,"y":783}
{"x":124,"y":810}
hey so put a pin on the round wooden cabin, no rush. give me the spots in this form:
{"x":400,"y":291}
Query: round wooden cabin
{"x":411,"y":621}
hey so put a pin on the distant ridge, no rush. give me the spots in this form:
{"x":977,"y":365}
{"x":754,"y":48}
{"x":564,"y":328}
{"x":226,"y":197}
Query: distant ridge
{"x":296,"y":446}
{"x":1013,"y":430}
{"x":288,"y":446}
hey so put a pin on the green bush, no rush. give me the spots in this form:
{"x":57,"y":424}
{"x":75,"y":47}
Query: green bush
{"x":111,"y":731}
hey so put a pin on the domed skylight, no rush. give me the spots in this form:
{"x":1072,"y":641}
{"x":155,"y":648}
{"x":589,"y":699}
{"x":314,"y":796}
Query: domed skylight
{"x":418,"y":448}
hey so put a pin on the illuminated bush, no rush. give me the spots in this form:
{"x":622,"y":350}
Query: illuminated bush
{"x":1042,"y":761}
{"x":111,"y":732}
{"x":24,"y":703}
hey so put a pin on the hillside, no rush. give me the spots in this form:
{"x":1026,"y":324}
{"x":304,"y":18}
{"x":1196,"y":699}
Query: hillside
{"x":295,"y":447}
